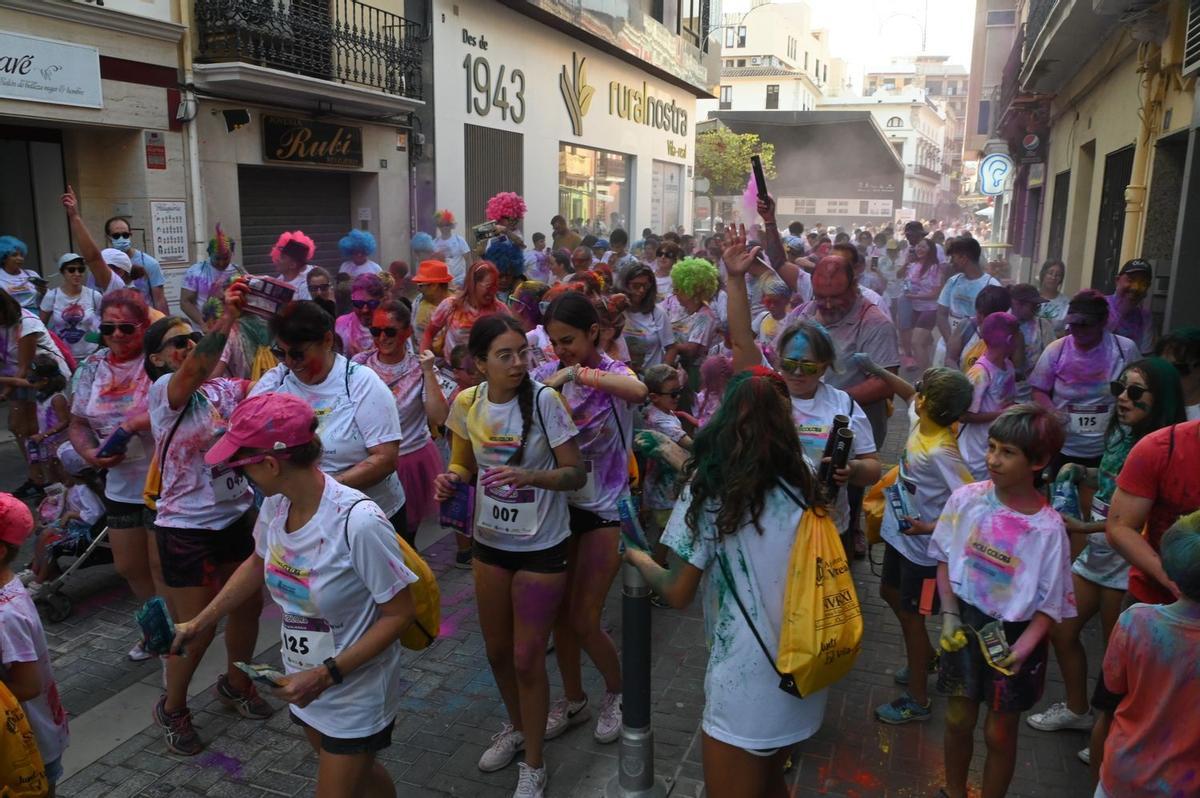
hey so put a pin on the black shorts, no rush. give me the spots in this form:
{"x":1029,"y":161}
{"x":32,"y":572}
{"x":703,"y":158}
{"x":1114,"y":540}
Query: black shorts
{"x":399,"y":522}
{"x":126,"y":515}
{"x":348,"y":746}
{"x":190,"y":557}
{"x":966,"y":674}
{"x":544,"y":561}
{"x":917,"y":584}
{"x":585,"y":520}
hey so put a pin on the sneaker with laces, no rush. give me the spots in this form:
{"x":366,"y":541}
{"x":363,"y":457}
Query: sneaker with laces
{"x":1059,"y":717}
{"x":138,"y":653}
{"x":531,"y":781}
{"x":903,"y":710}
{"x":608,"y":724}
{"x":181,"y":736}
{"x":505,"y":745}
{"x":248,"y":704}
{"x":564,"y":715}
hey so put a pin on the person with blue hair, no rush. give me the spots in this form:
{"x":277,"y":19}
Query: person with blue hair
{"x":510,"y":262}
{"x":19,"y":282}
{"x":357,"y":247}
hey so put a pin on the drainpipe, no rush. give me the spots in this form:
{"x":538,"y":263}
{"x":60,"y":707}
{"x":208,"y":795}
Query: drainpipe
{"x":1150,"y":112}
{"x":199,"y":234}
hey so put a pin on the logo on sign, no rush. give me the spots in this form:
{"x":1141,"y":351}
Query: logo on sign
{"x":576,"y":92}
{"x":994,"y":170}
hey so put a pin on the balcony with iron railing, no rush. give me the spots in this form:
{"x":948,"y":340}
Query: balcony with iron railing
{"x":920,"y":170}
{"x":1058,"y":38}
{"x":307,"y":44}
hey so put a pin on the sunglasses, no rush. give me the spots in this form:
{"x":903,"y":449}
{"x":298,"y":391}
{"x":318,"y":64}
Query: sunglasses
{"x":1136,"y":392}
{"x":120,"y":236}
{"x":672,"y":394}
{"x":324,"y":288}
{"x":181,"y":341}
{"x":664,"y":255}
{"x":370,"y":304}
{"x":236,"y":465}
{"x":74,"y":269}
{"x":281,"y":353}
{"x":805,"y":367}
{"x":126,"y":328}
{"x":386,"y":332}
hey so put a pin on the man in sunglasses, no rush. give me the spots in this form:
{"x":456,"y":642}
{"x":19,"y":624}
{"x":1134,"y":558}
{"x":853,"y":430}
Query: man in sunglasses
{"x":1182,"y":350}
{"x":120,"y":237}
{"x":1127,"y":314}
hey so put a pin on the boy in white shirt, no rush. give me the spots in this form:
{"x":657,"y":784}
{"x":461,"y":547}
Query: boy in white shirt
{"x":1003,"y":561}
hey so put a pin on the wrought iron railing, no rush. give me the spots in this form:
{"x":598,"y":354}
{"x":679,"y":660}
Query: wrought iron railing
{"x":1010,"y":77}
{"x":344,"y":41}
{"x":1039,"y":12}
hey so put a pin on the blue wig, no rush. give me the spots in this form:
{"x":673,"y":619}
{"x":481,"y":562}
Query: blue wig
{"x":507,"y":256}
{"x":11,"y":244}
{"x":422,"y":242}
{"x":357,"y":242}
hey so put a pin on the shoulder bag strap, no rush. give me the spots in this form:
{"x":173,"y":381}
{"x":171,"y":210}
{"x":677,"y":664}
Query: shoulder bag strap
{"x":346,"y":525}
{"x":162,"y":452}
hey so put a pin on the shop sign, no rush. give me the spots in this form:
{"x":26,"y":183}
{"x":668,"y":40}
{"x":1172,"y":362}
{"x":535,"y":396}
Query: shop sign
{"x":156,"y":150}
{"x":288,"y":140}
{"x":994,"y":172}
{"x":632,"y":103}
{"x":805,"y":206}
{"x":48,"y":71}
{"x":168,"y":228}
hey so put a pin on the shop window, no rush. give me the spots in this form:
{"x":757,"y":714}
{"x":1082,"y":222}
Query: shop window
{"x":666,"y":193}
{"x":773,"y":96}
{"x":594,"y":187}
{"x":726,"y":97}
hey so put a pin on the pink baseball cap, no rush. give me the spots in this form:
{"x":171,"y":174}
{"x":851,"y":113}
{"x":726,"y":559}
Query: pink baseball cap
{"x":16,"y":522}
{"x":270,"y":421}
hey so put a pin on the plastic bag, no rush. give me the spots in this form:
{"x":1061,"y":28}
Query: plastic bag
{"x":822,"y":628}
{"x":1064,"y":495}
{"x":22,"y":774}
{"x":875,"y":505}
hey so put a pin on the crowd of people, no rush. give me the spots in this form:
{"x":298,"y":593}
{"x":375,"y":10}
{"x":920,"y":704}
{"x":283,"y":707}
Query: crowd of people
{"x":692,"y":384}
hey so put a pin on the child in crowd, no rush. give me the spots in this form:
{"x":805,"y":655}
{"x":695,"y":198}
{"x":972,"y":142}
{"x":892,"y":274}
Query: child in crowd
{"x":659,"y":489}
{"x":715,"y":374}
{"x":775,"y":299}
{"x":24,"y":658}
{"x":464,"y":375}
{"x":53,"y":417}
{"x":1151,"y":664}
{"x":931,"y":469}
{"x":1036,"y":332}
{"x":1003,"y":577}
{"x":71,"y":531}
{"x":693,"y":321}
{"x":995,"y":385}
{"x":433,"y":280}
{"x":967,"y":344}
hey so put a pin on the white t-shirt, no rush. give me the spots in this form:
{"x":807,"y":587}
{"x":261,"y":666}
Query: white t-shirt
{"x":328,"y":579}
{"x":195,"y":496}
{"x":453,"y":252}
{"x":665,"y":287}
{"x":299,"y":282}
{"x":10,"y":344}
{"x":73,"y":317}
{"x":1193,"y":412}
{"x":814,"y":417}
{"x":659,"y":490}
{"x":22,"y":639}
{"x":355,"y":411}
{"x":20,"y":287}
{"x":1008,"y":564}
{"x":525,"y":519}
{"x":995,"y":388}
{"x":353,"y":269}
{"x":407,"y":383}
{"x":115,"y":284}
{"x":106,"y":394}
{"x":743,"y":705}
{"x":931,"y":468}
{"x":648,"y":335}
{"x":958,"y":295}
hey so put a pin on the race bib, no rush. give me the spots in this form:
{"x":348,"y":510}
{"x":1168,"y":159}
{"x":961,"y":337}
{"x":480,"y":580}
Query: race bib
{"x":507,"y":511}
{"x":1088,"y":419}
{"x":305,"y":642}
{"x":588,"y":492}
{"x":227,"y":484}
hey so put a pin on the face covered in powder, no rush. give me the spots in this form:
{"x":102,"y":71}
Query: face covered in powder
{"x":388,"y":334}
{"x":801,"y":371}
{"x":833,"y":291}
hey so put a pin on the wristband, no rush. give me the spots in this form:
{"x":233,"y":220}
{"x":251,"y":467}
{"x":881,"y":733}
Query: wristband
{"x":334,"y":672}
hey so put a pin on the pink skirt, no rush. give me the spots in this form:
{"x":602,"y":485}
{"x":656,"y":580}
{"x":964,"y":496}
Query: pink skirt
{"x":417,"y":471}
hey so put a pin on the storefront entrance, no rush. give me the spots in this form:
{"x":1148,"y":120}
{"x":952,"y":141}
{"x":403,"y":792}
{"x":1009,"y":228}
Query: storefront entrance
{"x":274,"y":200}
{"x":31,"y":159}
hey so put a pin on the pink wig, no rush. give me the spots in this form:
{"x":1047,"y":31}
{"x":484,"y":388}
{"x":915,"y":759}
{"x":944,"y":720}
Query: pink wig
{"x":293,"y":242}
{"x":505,"y":205}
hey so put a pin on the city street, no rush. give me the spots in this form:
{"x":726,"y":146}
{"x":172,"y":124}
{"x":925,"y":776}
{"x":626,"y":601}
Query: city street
{"x":451,"y":708}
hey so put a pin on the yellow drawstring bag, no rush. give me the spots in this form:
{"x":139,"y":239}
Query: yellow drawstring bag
{"x":22,"y":774}
{"x":875,"y":505}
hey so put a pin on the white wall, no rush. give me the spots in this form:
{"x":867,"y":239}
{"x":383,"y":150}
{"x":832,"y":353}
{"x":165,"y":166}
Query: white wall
{"x":514,"y":41}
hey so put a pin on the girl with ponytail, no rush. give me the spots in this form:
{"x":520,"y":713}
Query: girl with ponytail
{"x":515,"y":441}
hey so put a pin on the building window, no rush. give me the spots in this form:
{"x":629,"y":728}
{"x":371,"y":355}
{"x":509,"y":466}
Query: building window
{"x":806,"y":60}
{"x":895,"y":121}
{"x":594,"y":185}
{"x":825,"y":74}
{"x":934,"y":87}
{"x":773,"y":96}
{"x":983,"y":124}
{"x":726,"y":97}
{"x":729,"y":37}
{"x":741,"y":62}
{"x":741,"y":36}
{"x":691,"y":21}
{"x":817,"y":74}
{"x":998,"y":18}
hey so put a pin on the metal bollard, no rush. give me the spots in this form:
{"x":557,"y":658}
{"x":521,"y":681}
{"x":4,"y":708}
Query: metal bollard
{"x":635,"y":775}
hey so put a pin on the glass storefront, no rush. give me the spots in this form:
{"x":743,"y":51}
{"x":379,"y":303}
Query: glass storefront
{"x":665,"y":196}
{"x":594,"y":188}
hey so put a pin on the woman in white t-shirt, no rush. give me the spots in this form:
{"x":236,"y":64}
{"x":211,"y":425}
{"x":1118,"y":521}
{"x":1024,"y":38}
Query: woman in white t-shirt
{"x":205,"y":516}
{"x":73,"y":310}
{"x":420,"y":404}
{"x":17,"y":281}
{"x":514,"y":439}
{"x":111,"y":393}
{"x":359,"y":426}
{"x":291,"y":254}
{"x":357,"y":247}
{"x":330,"y":559}
{"x":602,"y":394}
{"x":647,"y":327}
{"x":733,"y":529}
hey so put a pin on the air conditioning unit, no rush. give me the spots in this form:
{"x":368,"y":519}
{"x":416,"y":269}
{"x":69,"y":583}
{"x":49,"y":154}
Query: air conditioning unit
{"x":755,"y":61}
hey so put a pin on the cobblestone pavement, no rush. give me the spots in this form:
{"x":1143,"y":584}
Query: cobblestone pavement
{"x":451,"y":708}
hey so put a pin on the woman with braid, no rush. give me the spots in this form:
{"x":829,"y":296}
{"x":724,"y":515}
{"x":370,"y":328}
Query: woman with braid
{"x":513,"y":438}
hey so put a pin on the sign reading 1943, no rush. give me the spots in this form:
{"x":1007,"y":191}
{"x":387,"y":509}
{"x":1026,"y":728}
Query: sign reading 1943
{"x":307,"y":141}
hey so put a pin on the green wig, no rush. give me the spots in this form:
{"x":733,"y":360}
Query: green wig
{"x":221,"y":243}
{"x":694,"y":278}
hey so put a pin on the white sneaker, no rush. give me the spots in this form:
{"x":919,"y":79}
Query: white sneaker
{"x":608,"y":725}
{"x":564,"y":715}
{"x":505,"y":745}
{"x":531,"y":782}
{"x":1085,"y":755}
{"x":139,"y":654}
{"x":1058,"y":717}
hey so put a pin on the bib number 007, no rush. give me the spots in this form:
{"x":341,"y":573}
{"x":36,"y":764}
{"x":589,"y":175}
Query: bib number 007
{"x":506,"y":514}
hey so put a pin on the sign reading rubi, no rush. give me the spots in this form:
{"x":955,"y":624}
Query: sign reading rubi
{"x":48,"y":71}
{"x":307,"y":141}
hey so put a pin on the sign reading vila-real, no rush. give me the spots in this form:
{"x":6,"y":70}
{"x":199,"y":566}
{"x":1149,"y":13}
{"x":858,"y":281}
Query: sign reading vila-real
{"x":48,"y":71}
{"x":308,"y":141}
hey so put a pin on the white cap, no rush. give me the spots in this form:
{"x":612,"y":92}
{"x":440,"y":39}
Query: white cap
{"x":70,"y":257}
{"x":117,"y":258}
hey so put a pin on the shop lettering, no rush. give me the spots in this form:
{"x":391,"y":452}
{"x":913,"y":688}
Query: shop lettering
{"x":639,"y":107}
{"x":839,"y":600}
{"x":16,"y":64}
{"x":299,"y":146}
{"x":676,"y":150}
{"x":305,"y":141}
{"x":474,"y":41}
